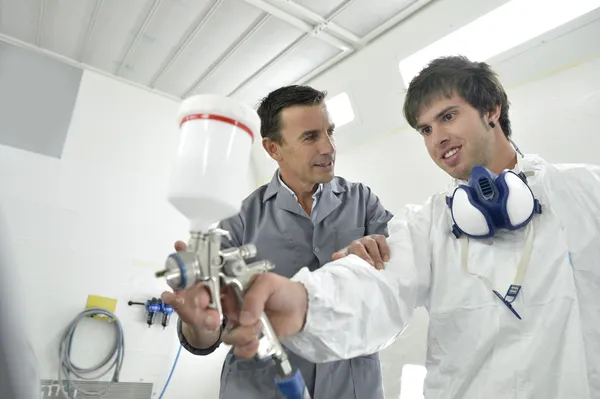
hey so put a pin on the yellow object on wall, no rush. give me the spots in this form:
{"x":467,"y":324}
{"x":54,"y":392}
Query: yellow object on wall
{"x":95,"y":301}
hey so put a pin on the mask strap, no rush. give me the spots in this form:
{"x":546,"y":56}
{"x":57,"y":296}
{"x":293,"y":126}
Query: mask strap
{"x":514,"y":289}
{"x":519,"y":162}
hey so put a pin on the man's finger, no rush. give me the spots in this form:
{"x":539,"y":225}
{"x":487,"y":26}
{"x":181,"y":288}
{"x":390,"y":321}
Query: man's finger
{"x":246,"y":351}
{"x":237,"y":335}
{"x":229,"y":303}
{"x":171,"y":299}
{"x":384,"y":248}
{"x":358,"y":249}
{"x":339,"y":254}
{"x":373,"y":250}
{"x":255,"y":299}
{"x":180,"y":246}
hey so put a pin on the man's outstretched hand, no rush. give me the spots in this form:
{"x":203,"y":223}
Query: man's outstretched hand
{"x":373,"y":249}
{"x":285,"y":303}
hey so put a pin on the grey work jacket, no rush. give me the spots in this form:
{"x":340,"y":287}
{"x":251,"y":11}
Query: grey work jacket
{"x":273,"y":220}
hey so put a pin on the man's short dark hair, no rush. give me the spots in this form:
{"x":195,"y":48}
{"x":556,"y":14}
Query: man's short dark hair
{"x":271,"y":106}
{"x":475,"y":82}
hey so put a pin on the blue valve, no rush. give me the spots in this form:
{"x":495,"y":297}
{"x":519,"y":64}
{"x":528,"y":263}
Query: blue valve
{"x":166,"y":310}
{"x":293,"y":386}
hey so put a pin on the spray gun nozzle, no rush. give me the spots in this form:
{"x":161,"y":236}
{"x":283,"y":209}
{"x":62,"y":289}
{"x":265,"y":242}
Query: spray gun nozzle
{"x":161,"y":273}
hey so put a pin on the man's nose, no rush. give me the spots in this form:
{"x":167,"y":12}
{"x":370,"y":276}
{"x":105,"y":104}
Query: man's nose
{"x":440,"y":136}
{"x":326,"y":144}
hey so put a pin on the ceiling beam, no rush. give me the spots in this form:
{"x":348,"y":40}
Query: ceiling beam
{"x":369,"y":37}
{"x":90,"y":31}
{"x":327,"y":24}
{"x":316,"y":31}
{"x":40,"y":24}
{"x":159,"y":75}
{"x":244,"y":37}
{"x":139,"y":34}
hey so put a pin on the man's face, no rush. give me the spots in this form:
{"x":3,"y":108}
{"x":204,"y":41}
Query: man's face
{"x":307,"y":153}
{"x":456,"y":136}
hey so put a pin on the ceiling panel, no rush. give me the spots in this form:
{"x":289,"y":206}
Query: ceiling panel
{"x":309,"y":54}
{"x":65,"y":25}
{"x":170,"y":24}
{"x":270,"y":39}
{"x":227,"y":25}
{"x":361,"y":17}
{"x":115,"y":28}
{"x":19,"y":19}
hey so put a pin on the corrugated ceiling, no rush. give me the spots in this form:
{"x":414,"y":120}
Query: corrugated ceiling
{"x":242,"y":48}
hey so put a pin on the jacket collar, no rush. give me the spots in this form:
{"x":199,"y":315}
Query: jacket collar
{"x":328,"y":199}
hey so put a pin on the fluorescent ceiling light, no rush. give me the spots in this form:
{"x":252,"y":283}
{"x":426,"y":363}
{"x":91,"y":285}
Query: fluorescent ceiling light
{"x":411,"y":381}
{"x":340,"y":109}
{"x":507,"y":26}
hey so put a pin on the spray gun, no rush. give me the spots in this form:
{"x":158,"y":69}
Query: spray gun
{"x":207,"y":186}
{"x":204,"y":261}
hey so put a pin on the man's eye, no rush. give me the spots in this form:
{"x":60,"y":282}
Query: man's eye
{"x":426,"y":130}
{"x":448,"y":117}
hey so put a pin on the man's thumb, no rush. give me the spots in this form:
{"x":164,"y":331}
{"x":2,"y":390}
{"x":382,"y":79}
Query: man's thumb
{"x":339,"y":254}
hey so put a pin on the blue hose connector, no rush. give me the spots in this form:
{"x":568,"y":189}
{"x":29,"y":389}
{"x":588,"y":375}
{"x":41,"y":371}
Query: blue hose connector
{"x":292,"y":387}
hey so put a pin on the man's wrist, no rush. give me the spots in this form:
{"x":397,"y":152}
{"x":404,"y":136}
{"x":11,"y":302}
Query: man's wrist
{"x":303,"y":304}
{"x":200,"y":338}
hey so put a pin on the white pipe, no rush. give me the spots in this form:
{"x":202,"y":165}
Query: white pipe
{"x":369,"y":37}
{"x":316,"y":31}
{"x":40,"y":23}
{"x":319,"y":20}
{"x":90,"y":30}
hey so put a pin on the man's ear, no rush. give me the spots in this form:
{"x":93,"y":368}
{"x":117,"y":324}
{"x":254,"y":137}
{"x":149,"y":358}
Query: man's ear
{"x":494,"y":115}
{"x":272,"y":148}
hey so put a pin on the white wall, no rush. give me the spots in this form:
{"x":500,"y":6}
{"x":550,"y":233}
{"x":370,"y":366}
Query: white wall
{"x":554,"y":89}
{"x":97,"y":222}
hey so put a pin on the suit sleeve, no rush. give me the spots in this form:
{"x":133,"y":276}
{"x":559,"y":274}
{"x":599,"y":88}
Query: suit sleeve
{"x":356,"y":310}
{"x":377,"y":215}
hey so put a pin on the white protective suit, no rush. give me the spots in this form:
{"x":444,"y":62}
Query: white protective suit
{"x":477,"y":348}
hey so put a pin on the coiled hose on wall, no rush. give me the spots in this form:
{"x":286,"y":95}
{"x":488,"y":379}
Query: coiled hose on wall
{"x":114,"y":360}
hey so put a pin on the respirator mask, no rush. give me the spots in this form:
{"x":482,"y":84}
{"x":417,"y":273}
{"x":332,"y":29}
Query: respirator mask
{"x":489,"y":202}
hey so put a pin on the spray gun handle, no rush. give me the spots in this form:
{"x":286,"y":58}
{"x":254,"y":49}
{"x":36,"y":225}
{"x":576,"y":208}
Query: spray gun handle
{"x":214,"y":288}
